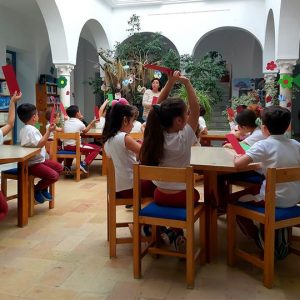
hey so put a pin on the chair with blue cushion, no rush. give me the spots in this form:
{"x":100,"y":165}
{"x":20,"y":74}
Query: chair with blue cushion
{"x":155,"y":215}
{"x":272,"y":218}
{"x":13,"y":175}
{"x":58,"y":155}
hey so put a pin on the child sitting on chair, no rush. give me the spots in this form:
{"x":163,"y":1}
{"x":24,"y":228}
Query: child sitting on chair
{"x":74,"y":124}
{"x":38,"y":165}
{"x":276,"y":151}
{"x":3,"y":132}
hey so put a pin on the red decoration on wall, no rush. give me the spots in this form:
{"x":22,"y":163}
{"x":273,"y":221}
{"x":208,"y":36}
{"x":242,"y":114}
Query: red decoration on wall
{"x":67,"y":93}
{"x":271,"y":65}
{"x":268,"y":99}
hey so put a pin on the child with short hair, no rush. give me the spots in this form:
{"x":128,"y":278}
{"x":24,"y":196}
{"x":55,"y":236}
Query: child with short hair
{"x":74,"y":124}
{"x":137,"y":126}
{"x":38,"y":165}
{"x":276,"y":151}
{"x":202,"y":123}
{"x":3,"y":132}
{"x":55,"y":121}
{"x":168,"y":138}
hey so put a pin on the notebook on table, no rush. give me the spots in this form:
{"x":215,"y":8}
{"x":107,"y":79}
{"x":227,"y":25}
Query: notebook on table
{"x":11,"y":79}
{"x":235,"y":143}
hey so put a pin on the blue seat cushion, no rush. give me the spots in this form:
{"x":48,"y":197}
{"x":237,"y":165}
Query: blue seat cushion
{"x":156,"y":211}
{"x":251,"y":177}
{"x":66,"y":152}
{"x":280,"y":213}
{"x":13,"y":171}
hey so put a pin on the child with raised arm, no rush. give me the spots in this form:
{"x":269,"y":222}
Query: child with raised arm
{"x":168,"y":138}
{"x":276,"y":151}
{"x":3,"y":132}
{"x":74,"y":124}
{"x":38,"y":165}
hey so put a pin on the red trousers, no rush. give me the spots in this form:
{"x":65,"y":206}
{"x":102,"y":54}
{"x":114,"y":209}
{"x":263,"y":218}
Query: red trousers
{"x":147,"y":190}
{"x":3,"y":207}
{"x":48,"y":171}
{"x":89,"y":150}
{"x":173,"y":200}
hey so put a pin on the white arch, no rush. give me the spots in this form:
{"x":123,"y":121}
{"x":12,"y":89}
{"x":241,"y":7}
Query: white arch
{"x":224,"y":28}
{"x":270,"y":40}
{"x":56,"y":31}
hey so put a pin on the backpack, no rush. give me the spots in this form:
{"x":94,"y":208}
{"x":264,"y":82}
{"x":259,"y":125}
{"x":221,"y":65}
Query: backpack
{"x":281,"y":249}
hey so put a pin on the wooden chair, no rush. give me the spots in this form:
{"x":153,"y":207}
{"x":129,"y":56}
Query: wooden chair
{"x":112,"y":203}
{"x":64,"y":154}
{"x":272,"y":218}
{"x":13,"y":174}
{"x":156,"y":215}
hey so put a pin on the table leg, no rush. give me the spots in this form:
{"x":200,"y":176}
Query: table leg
{"x":23,"y":193}
{"x":210,"y":200}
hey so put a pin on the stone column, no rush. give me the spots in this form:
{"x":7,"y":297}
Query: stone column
{"x":65,"y":92}
{"x":270,"y":89}
{"x":286,"y":67}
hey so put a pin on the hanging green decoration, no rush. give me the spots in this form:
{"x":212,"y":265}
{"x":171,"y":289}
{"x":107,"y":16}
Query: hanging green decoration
{"x":62,"y":82}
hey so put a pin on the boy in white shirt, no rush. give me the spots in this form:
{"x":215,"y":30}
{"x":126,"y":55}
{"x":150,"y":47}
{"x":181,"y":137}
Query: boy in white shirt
{"x":276,"y":151}
{"x":74,"y":124}
{"x":3,"y":132}
{"x":38,"y":165}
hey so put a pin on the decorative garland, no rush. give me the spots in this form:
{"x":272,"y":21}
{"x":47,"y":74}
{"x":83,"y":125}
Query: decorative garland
{"x":62,"y":82}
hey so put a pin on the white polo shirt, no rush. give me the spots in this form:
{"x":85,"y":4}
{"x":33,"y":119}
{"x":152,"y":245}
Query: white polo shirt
{"x":1,"y":137}
{"x":123,"y":161}
{"x":202,"y":123}
{"x":72,"y":125}
{"x":30,"y":137}
{"x":177,"y":154}
{"x":278,"y":151}
{"x":254,"y":137}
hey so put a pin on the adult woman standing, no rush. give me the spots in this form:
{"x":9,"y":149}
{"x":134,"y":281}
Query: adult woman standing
{"x":148,"y":96}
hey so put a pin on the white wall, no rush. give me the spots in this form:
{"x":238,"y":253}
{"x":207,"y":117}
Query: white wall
{"x":238,"y":48}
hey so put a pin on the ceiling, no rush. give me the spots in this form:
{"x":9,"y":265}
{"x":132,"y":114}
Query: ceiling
{"x":124,"y":3}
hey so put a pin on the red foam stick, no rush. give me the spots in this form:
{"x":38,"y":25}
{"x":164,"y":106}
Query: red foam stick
{"x":52,"y":115}
{"x":230,"y":112}
{"x":11,"y":79}
{"x":154,"y":100}
{"x":159,"y":68}
{"x":96,"y":112}
{"x":62,"y":109}
{"x":235,"y":143}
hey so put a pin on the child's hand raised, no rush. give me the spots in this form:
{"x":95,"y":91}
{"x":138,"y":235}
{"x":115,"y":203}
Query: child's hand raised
{"x":16,"y":97}
{"x":52,"y":127}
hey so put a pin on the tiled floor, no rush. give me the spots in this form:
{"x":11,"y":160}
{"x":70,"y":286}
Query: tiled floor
{"x":63,"y":254}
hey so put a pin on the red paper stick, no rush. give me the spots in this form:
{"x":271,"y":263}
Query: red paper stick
{"x":96,"y":112}
{"x":11,"y":79}
{"x":154,"y":100}
{"x":52,"y":115}
{"x":230,"y":112}
{"x":62,"y":109}
{"x":159,"y":68}
{"x":235,"y":143}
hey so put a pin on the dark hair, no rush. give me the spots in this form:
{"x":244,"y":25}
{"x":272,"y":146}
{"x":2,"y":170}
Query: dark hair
{"x":135,"y":112}
{"x":114,"y":119}
{"x":48,"y":114}
{"x":160,"y":87}
{"x":160,"y":118}
{"x":276,"y":118}
{"x":26,"y":111}
{"x":72,"y":111}
{"x":202,"y":111}
{"x":247,"y":118}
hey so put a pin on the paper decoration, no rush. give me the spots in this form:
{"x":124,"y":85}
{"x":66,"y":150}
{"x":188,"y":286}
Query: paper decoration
{"x":286,"y":81}
{"x":271,"y":65}
{"x":297,"y":80}
{"x":125,"y":82}
{"x":126,"y":67}
{"x":67,"y":93}
{"x":62,"y":109}
{"x":130,"y":80}
{"x":154,"y":100}
{"x":235,"y":143}
{"x":281,"y":98}
{"x":62,"y":82}
{"x":159,"y":68}
{"x":110,"y":97}
{"x":157,"y":74}
{"x":268,"y":99}
{"x":11,"y":79}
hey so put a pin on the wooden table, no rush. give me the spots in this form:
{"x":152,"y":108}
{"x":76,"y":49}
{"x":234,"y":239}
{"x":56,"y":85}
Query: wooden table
{"x":213,"y":161}
{"x":213,"y":135}
{"x":20,"y":155}
{"x":93,"y":133}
